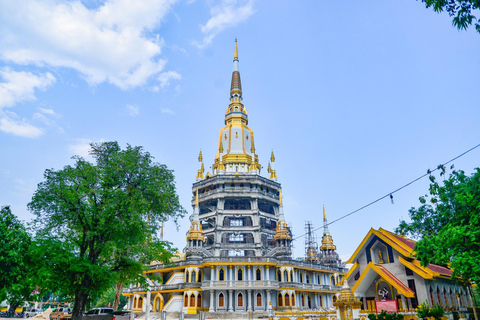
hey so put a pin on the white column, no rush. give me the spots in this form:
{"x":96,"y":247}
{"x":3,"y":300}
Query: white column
{"x":249,"y":300}
{"x":231,"y":278}
{"x":212,"y":308}
{"x":404,"y":302}
{"x":147,"y":305}
{"x":268,"y":298}
{"x":230,"y":300}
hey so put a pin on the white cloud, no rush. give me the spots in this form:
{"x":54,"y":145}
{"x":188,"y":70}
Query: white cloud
{"x":227,"y":13}
{"x":167,"y":111}
{"x":132,"y":110}
{"x":105,"y":44}
{"x":20,"y":86}
{"x":18,"y":127}
{"x":48,"y":111}
{"x":81,"y":147}
{"x":166,"y":77}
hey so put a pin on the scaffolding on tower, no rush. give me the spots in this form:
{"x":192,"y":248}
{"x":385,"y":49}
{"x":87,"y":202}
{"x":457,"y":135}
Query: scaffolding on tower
{"x":311,"y":245}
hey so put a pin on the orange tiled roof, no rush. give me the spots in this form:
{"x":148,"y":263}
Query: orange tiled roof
{"x":391,"y":277}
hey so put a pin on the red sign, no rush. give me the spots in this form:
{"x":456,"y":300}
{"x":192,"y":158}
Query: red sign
{"x":388,"y":305}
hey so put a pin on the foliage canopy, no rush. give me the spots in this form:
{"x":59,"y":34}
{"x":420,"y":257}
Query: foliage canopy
{"x":448,"y":225}
{"x":16,"y":281}
{"x":460,"y":10}
{"x":96,"y":223}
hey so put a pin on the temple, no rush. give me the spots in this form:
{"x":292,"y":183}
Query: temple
{"x":238,"y":255}
{"x":385,"y":267}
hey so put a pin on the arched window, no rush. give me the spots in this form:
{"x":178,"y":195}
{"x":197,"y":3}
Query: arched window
{"x":240,"y":274}
{"x":240,"y":300}
{"x":334,"y":299}
{"x":303,"y":300}
{"x":192,"y":300}
{"x":307,"y":277}
{"x":332,"y":280}
{"x":318,"y":279}
{"x":221,"y":275}
{"x":293,"y":299}
{"x":258,"y":274}
{"x":321,"y":301}
{"x":199,"y":275}
{"x":194,"y":276}
{"x":187,"y":274}
{"x":279,"y":300}
{"x":185,"y":301}
{"x":285,"y":276}
{"x":140,"y":303}
{"x":291,"y":275}
{"x":287,"y":300}
{"x":279,"y":275}
{"x":301,"y":277}
{"x":199,"y":300}
{"x":220,"y":300}
{"x":309,"y":301}
{"x":259,"y":300}
{"x":134,"y":302}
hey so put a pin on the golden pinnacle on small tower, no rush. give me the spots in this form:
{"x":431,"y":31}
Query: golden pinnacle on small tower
{"x":201,"y":170}
{"x":271,"y":168}
{"x":324,"y":214}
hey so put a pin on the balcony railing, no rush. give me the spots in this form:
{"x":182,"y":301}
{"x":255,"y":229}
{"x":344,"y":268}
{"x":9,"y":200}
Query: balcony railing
{"x":238,"y":284}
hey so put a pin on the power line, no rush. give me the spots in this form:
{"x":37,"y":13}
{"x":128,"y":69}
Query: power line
{"x":396,"y":190}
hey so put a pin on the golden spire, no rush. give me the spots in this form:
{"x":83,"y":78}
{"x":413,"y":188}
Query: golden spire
{"x":272,"y":157}
{"x":196,"y":199}
{"x":327,"y":240}
{"x":280,"y":197}
{"x":235,"y":55}
{"x":201,"y":170}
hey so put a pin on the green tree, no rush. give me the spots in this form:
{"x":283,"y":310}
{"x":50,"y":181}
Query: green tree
{"x":447,"y":225}
{"x":108,"y":297}
{"x":97,"y":222}
{"x":460,"y":10}
{"x":16,"y":281}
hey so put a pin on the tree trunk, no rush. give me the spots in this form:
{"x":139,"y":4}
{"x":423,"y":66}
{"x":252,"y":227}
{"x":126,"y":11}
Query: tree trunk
{"x":474,"y":303}
{"x":13,"y":306}
{"x":79,"y":305}
{"x":118,"y":292}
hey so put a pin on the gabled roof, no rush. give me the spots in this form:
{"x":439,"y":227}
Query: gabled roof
{"x":370,"y":273}
{"x":402,"y":245}
{"x":422,"y":272}
{"x":405,"y":247}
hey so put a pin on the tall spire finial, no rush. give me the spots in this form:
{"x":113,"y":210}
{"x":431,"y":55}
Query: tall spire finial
{"x":324,"y":214}
{"x":280,"y":196}
{"x":196,"y":199}
{"x":235,"y":55}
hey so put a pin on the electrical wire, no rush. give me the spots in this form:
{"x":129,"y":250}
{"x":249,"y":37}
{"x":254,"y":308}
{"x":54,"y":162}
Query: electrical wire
{"x":394,"y":191}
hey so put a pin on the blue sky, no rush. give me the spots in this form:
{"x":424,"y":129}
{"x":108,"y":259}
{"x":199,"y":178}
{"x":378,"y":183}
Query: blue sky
{"x":356,"y":98}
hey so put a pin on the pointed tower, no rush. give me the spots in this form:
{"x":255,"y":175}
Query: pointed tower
{"x":328,"y":253}
{"x":195,"y":237}
{"x":271,"y":168}
{"x":236,"y":150}
{"x":327,"y":240}
{"x":311,"y":254}
{"x":283,"y":235}
{"x":201,"y":169}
